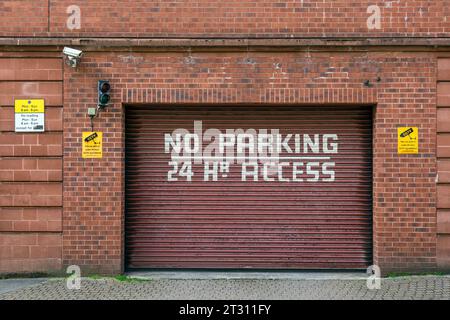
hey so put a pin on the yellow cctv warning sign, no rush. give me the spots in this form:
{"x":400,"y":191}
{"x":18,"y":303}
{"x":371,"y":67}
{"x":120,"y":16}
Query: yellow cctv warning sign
{"x":408,"y":140}
{"x":92,"y":145}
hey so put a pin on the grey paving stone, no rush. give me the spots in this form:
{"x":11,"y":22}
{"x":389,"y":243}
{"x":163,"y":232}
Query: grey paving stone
{"x":426,"y":287}
{"x":8,"y":285}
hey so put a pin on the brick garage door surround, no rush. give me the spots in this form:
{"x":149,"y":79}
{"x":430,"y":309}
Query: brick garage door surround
{"x":404,"y":189}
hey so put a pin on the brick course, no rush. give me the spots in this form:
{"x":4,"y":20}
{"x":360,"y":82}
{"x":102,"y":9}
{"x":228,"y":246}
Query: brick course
{"x":22,"y":219}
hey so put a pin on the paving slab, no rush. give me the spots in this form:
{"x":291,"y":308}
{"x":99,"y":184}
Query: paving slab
{"x":8,"y":285}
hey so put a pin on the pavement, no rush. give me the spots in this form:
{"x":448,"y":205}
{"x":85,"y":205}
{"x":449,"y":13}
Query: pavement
{"x":9,"y":285}
{"x":216,"y":286}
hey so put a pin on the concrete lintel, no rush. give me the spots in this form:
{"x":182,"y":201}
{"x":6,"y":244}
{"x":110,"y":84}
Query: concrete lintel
{"x":242,"y":43}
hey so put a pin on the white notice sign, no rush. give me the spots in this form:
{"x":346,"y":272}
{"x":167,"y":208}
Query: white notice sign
{"x":29,"y":115}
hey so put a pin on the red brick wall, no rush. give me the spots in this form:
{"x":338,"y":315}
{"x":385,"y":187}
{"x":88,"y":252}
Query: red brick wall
{"x":404,"y":186}
{"x":20,"y":17}
{"x":207,"y":18}
{"x":30,"y":167}
{"x":443,"y":153}
{"x":42,"y":173}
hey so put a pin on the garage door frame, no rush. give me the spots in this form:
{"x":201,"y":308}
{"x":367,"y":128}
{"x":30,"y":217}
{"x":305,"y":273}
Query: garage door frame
{"x":373,"y":110}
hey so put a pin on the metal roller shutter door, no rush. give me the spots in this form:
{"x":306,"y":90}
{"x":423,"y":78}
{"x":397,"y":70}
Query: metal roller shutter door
{"x":231,"y":223}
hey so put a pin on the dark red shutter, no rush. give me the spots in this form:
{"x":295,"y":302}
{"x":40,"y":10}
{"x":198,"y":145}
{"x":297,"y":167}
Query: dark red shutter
{"x":236,"y":224}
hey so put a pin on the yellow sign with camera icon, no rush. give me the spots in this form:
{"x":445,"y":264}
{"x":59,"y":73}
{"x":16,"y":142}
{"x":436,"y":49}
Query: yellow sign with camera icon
{"x":408,"y":140}
{"x":92,"y":145}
